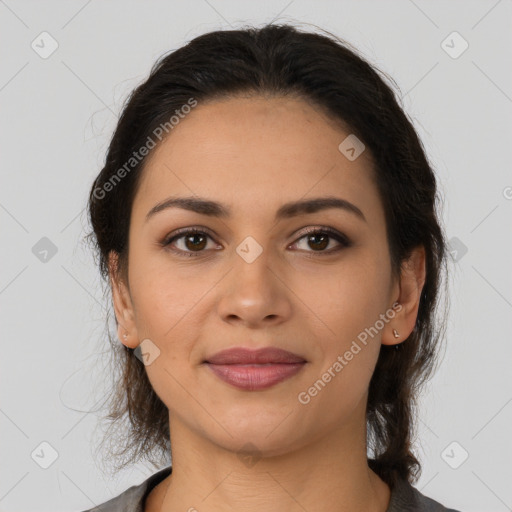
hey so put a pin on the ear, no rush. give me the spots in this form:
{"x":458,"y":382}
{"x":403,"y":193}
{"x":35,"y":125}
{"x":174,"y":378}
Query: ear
{"x":123,"y":307}
{"x":408,"y":296}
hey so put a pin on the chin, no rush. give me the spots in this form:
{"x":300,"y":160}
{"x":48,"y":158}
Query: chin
{"x":261,"y":437}
{"x":255,"y":448}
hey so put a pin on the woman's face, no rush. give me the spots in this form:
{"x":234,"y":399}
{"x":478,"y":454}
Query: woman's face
{"x":252,"y":280}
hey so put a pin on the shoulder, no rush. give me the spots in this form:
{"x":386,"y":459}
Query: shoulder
{"x":406,"y":498}
{"x":132,"y":500}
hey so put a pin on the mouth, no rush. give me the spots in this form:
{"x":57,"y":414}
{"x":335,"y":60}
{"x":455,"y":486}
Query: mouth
{"x":268,"y":355}
{"x":253,"y":370}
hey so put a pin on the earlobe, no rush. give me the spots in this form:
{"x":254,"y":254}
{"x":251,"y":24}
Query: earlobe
{"x":412,"y":280}
{"x":126,"y":338}
{"x":392,"y":335}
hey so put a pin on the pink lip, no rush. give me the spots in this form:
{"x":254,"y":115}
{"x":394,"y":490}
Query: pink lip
{"x":240,"y":355}
{"x":255,"y":369}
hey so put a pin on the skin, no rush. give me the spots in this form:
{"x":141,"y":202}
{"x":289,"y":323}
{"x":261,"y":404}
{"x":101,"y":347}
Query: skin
{"x":253,"y":154}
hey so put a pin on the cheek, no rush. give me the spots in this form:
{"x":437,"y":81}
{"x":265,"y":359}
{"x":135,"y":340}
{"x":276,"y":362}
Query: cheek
{"x":346,"y":308}
{"x":345,"y":297}
{"x":166,"y":307}
{"x":164,"y":301}
{"x":347,"y":348}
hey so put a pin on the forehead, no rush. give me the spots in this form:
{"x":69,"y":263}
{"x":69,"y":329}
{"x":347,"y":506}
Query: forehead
{"x":256,"y":152}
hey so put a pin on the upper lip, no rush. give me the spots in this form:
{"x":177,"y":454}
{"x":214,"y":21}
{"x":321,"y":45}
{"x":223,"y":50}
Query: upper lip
{"x":241,"y":355}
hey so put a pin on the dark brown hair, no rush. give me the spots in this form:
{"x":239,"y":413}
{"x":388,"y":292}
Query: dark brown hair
{"x":329,"y":74}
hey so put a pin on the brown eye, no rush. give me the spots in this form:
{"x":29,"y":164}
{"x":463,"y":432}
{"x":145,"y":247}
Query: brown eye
{"x":192,"y":241}
{"x":318,"y":239}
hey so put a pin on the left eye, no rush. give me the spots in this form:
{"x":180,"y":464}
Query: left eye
{"x":319,"y":239}
{"x":195,"y":241}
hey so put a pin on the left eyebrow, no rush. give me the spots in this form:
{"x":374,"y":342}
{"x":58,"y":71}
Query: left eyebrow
{"x":307,"y":206}
{"x":288,"y":210}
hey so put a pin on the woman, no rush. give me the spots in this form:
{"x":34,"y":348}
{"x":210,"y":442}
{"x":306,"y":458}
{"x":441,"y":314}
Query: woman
{"x":266,"y":218}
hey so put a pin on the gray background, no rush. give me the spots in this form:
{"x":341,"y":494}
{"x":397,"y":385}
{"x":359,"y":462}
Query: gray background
{"x":58,"y":114}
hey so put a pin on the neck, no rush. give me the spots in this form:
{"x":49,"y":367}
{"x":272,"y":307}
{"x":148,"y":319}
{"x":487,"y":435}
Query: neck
{"x":330,"y":473}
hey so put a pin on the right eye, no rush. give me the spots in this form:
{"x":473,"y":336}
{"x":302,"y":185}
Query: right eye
{"x":193,"y":242}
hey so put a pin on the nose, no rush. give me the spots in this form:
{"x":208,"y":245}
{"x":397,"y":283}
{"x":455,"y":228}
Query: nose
{"x":255,"y":294}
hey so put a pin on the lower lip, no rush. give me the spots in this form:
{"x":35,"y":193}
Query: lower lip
{"x":252,"y":377}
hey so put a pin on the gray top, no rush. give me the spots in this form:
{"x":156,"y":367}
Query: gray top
{"x":404,"y":498}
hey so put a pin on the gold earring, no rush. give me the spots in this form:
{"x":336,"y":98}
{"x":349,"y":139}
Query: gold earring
{"x":395,"y":333}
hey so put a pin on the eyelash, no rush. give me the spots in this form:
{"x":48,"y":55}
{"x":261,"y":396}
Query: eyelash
{"x":339,"y":237}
